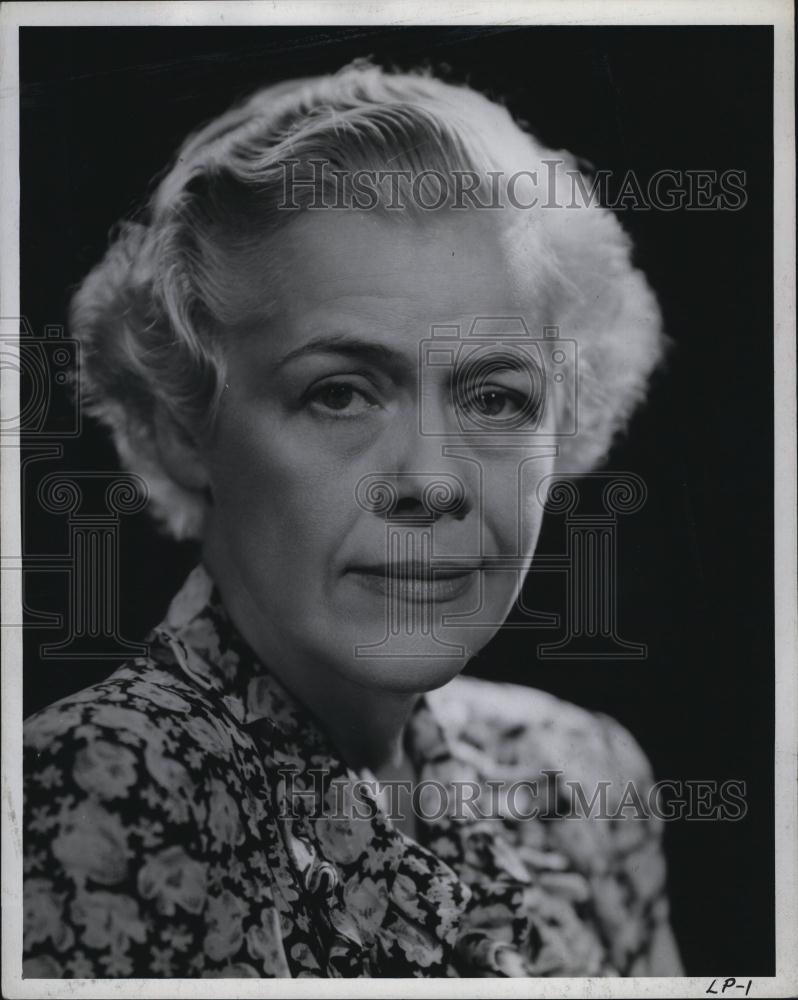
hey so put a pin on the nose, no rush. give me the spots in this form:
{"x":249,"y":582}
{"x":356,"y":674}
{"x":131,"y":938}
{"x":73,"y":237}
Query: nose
{"x":419,"y":484}
{"x":414,"y":497}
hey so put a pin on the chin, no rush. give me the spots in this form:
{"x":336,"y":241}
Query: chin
{"x":406,"y":676}
{"x":414,"y":663}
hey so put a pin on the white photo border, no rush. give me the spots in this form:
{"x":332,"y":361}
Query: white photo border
{"x":779,"y":14}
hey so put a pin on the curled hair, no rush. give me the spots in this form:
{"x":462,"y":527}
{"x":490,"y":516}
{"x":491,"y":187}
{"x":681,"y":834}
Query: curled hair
{"x":152,"y":315}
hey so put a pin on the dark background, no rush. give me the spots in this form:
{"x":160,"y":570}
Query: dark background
{"x":103,"y":109}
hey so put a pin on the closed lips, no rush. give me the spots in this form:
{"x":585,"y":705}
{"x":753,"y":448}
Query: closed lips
{"x":418,"y":570}
{"x":415,"y":582}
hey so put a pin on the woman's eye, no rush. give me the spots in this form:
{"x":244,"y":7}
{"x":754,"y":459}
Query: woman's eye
{"x":341,"y":398}
{"x":495,"y":402}
{"x":491,"y":403}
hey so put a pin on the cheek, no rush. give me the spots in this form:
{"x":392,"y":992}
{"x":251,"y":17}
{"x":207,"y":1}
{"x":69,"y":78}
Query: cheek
{"x":513,"y":496}
{"x":268,"y":481}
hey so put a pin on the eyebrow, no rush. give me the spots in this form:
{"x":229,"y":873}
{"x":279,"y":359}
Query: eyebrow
{"x":381,"y":356}
{"x":352,"y":347}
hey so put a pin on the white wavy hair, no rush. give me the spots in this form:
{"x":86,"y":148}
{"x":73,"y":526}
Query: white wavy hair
{"x":151,"y":316}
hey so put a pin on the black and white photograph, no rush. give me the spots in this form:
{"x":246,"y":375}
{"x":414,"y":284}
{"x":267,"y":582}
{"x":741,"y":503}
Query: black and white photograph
{"x":398,"y":455}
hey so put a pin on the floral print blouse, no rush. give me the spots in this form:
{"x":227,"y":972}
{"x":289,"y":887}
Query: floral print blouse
{"x":175,"y":827}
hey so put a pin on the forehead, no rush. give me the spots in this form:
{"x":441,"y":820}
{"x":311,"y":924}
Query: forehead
{"x":387,"y":279}
{"x":421,"y":271}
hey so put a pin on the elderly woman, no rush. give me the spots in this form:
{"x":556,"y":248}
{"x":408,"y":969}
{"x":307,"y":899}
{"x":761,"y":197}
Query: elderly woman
{"x":324,"y":346}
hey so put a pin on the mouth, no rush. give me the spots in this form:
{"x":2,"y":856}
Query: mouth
{"x":416,"y":581}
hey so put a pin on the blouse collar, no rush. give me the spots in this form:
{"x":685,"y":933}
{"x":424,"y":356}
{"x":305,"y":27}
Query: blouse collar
{"x":367,"y":870}
{"x":377,"y":885}
{"x":212,"y":651}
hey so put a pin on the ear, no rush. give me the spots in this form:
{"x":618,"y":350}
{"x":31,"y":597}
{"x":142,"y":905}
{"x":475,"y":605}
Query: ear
{"x":179,"y":453}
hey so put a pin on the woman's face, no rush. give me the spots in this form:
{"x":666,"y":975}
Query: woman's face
{"x":330,"y":541}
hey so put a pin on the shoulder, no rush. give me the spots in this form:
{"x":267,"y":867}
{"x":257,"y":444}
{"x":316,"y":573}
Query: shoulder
{"x":518,"y":725}
{"x":143,"y":731}
{"x":143,"y":698}
{"x":597,"y":807}
{"x":131,"y":771}
{"x":135,"y":801}
{"x":604,"y":822}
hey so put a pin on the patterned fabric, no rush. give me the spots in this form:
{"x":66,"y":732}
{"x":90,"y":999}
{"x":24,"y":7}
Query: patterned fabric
{"x":175,"y":826}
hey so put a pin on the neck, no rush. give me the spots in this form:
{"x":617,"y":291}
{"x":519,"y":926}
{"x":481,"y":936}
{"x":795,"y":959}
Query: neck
{"x":366,"y":726}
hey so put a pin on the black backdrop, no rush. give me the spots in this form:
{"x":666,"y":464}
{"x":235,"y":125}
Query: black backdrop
{"x":102,"y":110}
